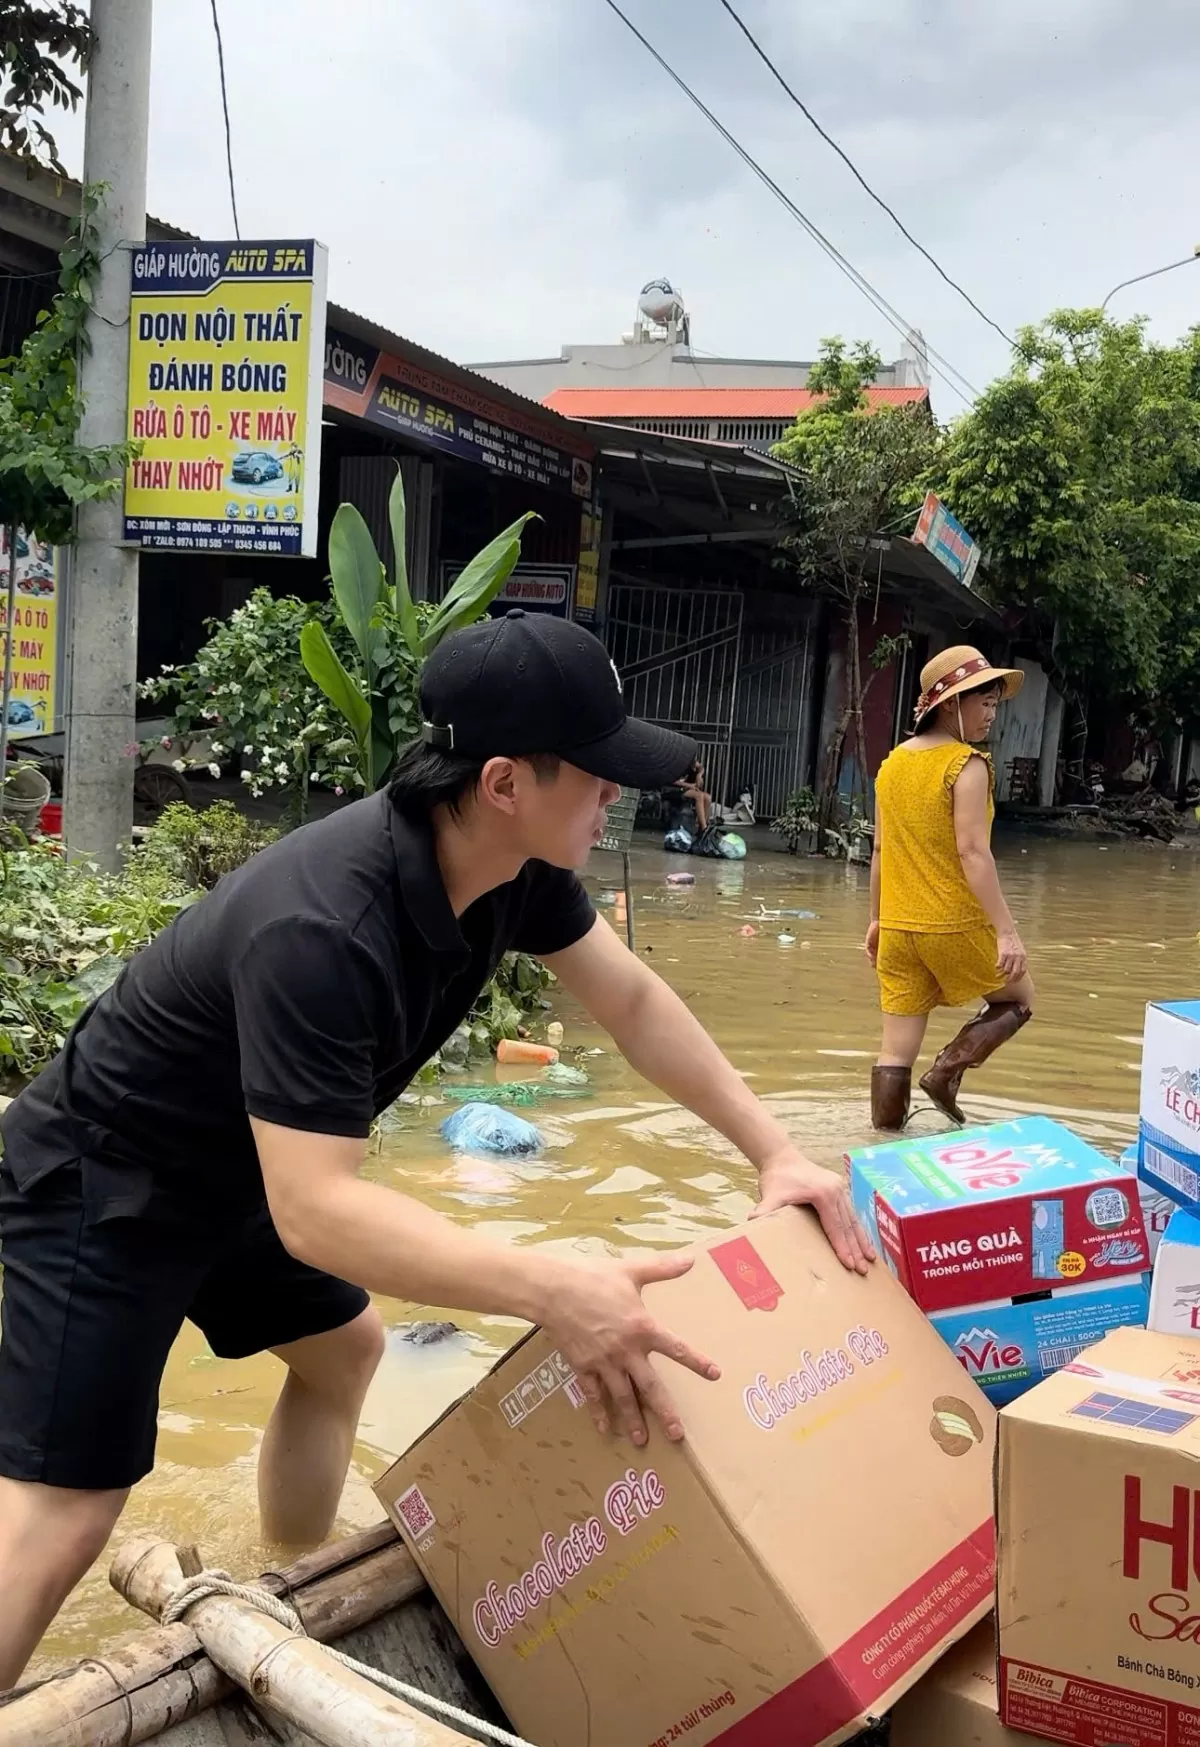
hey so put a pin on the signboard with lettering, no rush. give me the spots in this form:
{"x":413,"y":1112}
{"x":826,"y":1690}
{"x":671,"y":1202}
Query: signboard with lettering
{"x":444,"y":415}
{"x":38,"y":622}
{"x":947,"y":539}
{"x":539,"y":588}
{"x":588,"y":581}
{"x":225,"y":396}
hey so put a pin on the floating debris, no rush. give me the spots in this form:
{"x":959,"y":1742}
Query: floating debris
{"x":425,"y":1334}
{"x":518,"y":1092}
{"x":562,"y":1074}
{"x":480,"y":1127}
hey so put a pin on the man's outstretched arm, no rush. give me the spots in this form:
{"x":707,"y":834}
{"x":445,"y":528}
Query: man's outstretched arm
{"x":328,"y":1216}
{"x":658,"y":1035}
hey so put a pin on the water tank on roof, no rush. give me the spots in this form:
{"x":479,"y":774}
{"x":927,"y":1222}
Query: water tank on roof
{"x":661,"y":303}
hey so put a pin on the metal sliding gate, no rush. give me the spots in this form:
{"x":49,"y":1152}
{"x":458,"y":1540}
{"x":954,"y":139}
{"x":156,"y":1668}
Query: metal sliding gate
{"x":678,"y":651}
{"x":768,"y":729}
{"x":731,"y":670}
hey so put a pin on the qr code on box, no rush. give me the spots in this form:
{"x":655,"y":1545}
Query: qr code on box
{"x":1107,"y":1208}
{"x":414,"y":1512}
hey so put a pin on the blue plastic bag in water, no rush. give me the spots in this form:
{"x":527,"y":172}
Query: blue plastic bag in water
{"x":490,"y":1128}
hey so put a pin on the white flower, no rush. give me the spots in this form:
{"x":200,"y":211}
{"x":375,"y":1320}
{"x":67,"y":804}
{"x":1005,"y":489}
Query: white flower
{"x":248,"y":751}
{"x":214,"y":770}
{"x":218,"y":750}
{"x":281,"y":770}
{"x":179,"y":764}
{"x":165,"y":743}
{"x":247,"y":776}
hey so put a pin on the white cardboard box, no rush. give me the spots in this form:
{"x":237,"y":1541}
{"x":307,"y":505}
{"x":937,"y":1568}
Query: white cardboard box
{"x":1156,"y":1207}
{"x":1175,"y":1287}
{"x":1169,"y":1110}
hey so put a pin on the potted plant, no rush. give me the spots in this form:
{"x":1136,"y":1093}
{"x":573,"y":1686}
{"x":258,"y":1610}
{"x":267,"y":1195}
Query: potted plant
{"x":862,"y":838}
{"x":854,"y":842}
{"x":797,"y":822}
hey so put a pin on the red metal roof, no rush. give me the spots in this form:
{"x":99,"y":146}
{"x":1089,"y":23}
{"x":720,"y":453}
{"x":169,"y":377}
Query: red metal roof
{"x":704,"y":403}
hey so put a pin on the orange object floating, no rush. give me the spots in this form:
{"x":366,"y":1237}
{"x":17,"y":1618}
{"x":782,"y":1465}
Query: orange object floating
{"x":518,"y":1049}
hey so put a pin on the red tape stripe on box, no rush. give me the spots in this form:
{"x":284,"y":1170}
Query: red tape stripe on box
{"x":858,"y":1678}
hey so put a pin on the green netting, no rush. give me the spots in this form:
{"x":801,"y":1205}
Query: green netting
{"x":519,"y":1092}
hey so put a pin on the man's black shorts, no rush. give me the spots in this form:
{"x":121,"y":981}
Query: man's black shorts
{"x":89,"y":1312}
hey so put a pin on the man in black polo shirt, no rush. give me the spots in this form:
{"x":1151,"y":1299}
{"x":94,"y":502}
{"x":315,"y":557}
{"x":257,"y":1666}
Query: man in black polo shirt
{"x":194,"y":1150}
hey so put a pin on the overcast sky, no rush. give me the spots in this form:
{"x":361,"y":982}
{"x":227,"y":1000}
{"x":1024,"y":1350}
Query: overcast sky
{"x":497,"y":177}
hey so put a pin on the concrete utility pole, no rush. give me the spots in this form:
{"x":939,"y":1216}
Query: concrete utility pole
{"x":98,"y":810}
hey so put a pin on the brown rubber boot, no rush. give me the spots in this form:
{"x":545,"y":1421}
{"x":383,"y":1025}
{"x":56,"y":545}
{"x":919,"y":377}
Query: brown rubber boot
{"x":890,"y":1089}
{"x":977,"y":1040}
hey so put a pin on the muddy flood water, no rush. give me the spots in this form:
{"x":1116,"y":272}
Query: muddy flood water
{"x":1106,"y":929}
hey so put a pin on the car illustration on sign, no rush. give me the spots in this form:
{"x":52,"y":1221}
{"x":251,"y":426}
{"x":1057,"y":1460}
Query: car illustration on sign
{"x":255,"y":465}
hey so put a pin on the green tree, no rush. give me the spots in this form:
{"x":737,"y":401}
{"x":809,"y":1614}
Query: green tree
{"x":35,"y":41}
{"x":865,"y":473}
{"x":1079,"y":474}
{"x":44,"y":471}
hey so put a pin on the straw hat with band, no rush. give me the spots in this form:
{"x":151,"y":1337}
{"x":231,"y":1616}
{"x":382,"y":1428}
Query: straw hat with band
{"x":962,"y":669}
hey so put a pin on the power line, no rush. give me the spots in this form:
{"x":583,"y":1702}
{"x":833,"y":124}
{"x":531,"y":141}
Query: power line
{"x":859,"y":177}
{"x":951,"y":376}
{"x":237,"y":230}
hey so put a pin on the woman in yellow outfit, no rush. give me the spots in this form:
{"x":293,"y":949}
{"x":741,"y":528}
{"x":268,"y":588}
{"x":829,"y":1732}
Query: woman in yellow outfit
{"x":941,"y":934}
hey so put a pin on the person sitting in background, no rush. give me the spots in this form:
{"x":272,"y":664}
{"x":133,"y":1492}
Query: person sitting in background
{"x":941,"y":934}
{"x":692,"y":784}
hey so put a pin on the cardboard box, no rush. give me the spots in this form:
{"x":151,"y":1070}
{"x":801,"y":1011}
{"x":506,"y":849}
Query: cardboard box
{"x":1098,"y":1504}
{"x":1012,"y":1343}
{"x":819,"y":1540}
{"x":996,"y":1212}
{"x":1156,"y":1207}
{"x":1175,"y":1292}
{"x":1019,"y":1240}
{"x":1169,"y":1111}
{"x":957,"y":1704}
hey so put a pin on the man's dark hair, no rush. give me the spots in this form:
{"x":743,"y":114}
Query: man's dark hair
{"x":426,"y":777}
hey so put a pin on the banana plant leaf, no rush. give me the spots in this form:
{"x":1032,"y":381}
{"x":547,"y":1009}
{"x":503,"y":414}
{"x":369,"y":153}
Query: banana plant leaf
{"x":341,"y":688}
{"x":406,"y":612}
{"x":478,"y":585}
{"x":358,"y":579}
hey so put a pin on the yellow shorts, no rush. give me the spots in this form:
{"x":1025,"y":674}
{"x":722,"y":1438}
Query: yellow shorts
{"x":918,"y":972}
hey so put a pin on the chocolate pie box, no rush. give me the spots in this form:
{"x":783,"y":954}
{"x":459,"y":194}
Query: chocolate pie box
{"x":820,"y":1539}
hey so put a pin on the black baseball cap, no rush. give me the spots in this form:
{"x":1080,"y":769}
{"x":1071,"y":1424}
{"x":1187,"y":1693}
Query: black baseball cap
{"x":529,"y":682}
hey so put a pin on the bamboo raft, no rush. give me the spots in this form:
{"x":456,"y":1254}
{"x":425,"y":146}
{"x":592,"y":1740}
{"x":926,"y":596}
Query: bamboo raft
{"x":230,"y":1675}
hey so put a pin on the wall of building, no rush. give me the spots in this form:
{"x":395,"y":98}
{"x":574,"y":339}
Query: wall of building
{"x":661,"y":364}
{"x":1022,"y":722}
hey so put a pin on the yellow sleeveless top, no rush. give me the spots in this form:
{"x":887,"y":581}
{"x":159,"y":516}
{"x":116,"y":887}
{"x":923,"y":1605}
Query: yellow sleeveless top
{"x":922,"y":888}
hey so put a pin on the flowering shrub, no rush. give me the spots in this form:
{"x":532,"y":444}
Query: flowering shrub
{"x":247,"y":692}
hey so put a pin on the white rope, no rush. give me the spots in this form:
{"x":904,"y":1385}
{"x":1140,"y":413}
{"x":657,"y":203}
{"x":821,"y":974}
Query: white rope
{"x":210,"y":1583}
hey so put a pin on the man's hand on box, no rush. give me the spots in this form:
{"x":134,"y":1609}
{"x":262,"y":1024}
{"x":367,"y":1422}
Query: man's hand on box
{"x":791,"y":1180}
{"x":599,"y":1323}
